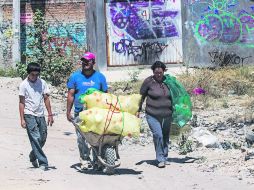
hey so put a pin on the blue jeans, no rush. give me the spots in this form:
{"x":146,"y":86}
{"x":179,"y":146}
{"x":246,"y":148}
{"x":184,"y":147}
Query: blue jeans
{"x":37,"y":133}
{"x":160,"y":128}
{"x":82,"y":144}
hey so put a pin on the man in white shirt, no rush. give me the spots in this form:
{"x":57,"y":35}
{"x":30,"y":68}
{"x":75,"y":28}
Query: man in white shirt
{"x":33,"y":92}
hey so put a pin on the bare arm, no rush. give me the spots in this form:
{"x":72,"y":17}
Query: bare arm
{"x":140,"y":104}
{"x":48,"y":107}
{"x":70,"y":100}
{"x":143,"y":93}
{"x":21,"y":111}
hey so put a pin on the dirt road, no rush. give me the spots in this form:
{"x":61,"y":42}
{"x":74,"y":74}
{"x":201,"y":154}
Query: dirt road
{"x":136,"y":172}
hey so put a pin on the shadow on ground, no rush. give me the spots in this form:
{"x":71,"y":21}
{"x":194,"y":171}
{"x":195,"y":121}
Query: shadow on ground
{"x":68,"y":133}
{"x":118,"y":171}
{"x":48,"y":168}
{"x":184,"y":160}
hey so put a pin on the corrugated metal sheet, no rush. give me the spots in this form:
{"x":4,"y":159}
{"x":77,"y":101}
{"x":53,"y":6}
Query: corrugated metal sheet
{"x":139,"y":33}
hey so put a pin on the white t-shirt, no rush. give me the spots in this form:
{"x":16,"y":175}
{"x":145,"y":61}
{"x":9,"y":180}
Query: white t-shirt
{"x":33,"y":93}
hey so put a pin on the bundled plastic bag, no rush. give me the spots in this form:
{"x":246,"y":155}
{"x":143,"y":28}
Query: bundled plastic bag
{"x":105,"y":121}
{"x":181,"y":102}
{"x":128,"y":103}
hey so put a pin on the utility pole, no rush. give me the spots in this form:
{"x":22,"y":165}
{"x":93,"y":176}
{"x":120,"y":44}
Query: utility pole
{"x":16,"y":32}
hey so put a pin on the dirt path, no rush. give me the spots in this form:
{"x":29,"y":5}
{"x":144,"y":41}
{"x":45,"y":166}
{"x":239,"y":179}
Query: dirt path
{"x":136,"y":172}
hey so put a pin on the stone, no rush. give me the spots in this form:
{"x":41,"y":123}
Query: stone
{"x":205,"y":138}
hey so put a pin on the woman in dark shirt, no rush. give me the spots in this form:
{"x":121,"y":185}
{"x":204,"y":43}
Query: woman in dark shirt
{"x":158,"y":111}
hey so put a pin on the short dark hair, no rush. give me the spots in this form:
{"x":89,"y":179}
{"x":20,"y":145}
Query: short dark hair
{"x":158,"y":64}
{"x":33,"y":67}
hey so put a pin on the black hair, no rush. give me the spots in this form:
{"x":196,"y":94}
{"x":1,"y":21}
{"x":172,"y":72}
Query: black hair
{"x":158,"y":64}
{"x":33,"y":67}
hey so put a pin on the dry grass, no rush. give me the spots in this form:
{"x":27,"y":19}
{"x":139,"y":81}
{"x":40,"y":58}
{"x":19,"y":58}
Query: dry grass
{"x":218,"y":84}
{"x":221,"y":82}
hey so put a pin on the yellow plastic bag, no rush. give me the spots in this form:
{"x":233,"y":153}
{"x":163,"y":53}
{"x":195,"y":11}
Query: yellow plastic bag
{"x":101,"y":121}
{"x":128,"y":103}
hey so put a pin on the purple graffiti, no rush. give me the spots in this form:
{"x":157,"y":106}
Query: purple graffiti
{"x":136,"y":19}
{"x":224,"y":28}
{"x":227,"y":28}
{"x":252,"y":8}
{"x":211,"y":28}
{"x":231,"y":29}
{"x":247,"y":28}
{"x":126,"y":47}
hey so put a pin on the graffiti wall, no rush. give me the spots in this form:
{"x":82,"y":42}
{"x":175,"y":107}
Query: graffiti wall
{"x":140,"y":32}
{"x":69,"y":38}
{"x":5,"y":36}
{"x":219,"y":32}
{"x":66,"y":26}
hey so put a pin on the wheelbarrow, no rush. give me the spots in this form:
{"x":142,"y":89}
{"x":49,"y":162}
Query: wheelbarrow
{"x":105,"y":148}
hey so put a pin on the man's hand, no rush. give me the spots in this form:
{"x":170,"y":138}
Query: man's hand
{"x":137,"y":114}
{"x":50,"y":120}
{"x":69,"y":117}
{"x":70,"y":100}
{"x":23,"y":123}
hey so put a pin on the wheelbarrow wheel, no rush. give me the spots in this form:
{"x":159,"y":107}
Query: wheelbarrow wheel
{"x":110,"y":158}
{"x":110,"y":155}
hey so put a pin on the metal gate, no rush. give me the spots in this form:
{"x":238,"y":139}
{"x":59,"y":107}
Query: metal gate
{"x":141,"y":32}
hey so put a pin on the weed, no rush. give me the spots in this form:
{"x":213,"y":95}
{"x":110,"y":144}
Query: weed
{"x":134,"y":75}
{"x":8,"y":72}
{"x":185,"y":145}
{"x":225,"y":103}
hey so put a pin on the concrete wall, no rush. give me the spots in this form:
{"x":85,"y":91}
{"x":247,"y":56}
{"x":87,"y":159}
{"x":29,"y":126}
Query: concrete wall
{"x":218,"y":32}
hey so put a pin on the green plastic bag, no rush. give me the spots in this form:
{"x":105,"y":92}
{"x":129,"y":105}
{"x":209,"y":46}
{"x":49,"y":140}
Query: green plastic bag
{"x":181,"y":102}
{"x":88,"y":92}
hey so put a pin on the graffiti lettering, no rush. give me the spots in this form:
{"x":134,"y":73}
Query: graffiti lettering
{"x":126,"y":47}
{"x":221,"y":59}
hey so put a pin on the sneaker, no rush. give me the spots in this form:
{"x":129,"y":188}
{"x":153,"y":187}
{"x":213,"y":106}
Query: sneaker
{"x":35,"y":163}
{"x":161,"y":165}
{"x":167,"y":162}
{"x":85,"y":164}
{"x":108,"y":171}
{"x":43,"y":167}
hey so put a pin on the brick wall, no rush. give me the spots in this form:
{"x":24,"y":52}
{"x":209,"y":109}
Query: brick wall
{"x":66,"y":20}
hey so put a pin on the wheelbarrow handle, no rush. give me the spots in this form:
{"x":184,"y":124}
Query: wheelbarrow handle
{"x":77,"y":128}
